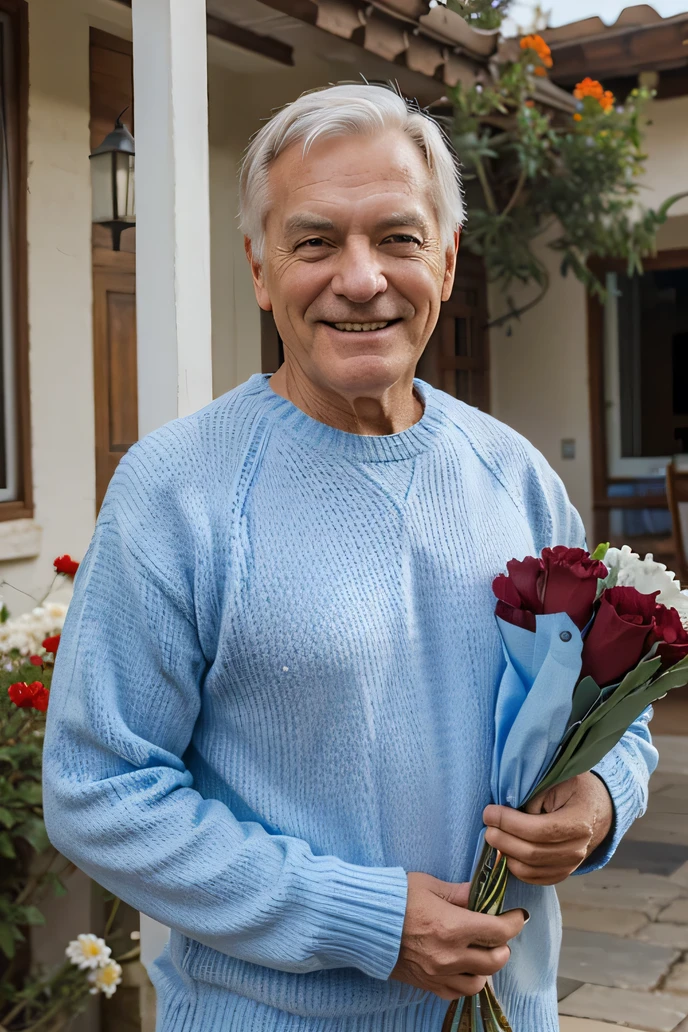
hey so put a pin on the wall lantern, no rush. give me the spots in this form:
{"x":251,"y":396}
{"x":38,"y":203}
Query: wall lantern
{"x":112,"y":181}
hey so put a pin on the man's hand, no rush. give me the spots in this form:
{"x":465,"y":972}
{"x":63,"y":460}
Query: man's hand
{"x":445,"y":948}
{"x":562,"y":827}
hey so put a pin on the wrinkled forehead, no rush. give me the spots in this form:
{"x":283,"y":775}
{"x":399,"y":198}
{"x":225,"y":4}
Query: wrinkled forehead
{"x":357,"y":177}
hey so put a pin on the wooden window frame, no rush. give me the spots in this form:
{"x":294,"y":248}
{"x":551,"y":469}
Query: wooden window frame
{"x":602,"y":504}
{"x":22,"y":507}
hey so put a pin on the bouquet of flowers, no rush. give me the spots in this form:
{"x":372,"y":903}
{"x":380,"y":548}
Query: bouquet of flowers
{"x":590,"y":641}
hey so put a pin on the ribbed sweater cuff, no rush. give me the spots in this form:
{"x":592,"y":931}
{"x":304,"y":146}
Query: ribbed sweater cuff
{"x":624,"y":791}
{"x":357,"y":913}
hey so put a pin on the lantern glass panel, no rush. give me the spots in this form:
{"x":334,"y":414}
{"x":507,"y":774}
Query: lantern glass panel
{"x":101,"y":184}
{"x":124,"y":179}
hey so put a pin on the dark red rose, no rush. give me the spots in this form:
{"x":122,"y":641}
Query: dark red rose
{"x":527,"y":577}
{"x":65,"y":564}
{"x":29,"y":696}
{"x":622,"y":633}
{"x":571,"y":582}
{"x":671,"y":634}
{"x":51,"y":644}
{"x":36,"y":660}
{"x":564,"y":580}
{"x":509,"y":604}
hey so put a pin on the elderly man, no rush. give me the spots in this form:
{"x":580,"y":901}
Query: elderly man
{"x":272,"y":709}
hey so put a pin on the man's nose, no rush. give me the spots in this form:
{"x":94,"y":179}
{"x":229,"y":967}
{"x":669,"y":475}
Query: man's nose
{"x":358,"y":276}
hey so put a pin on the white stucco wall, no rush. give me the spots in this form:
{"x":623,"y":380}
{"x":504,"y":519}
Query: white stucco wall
{"x":59,"y":290}
{"x":540,"y":372}
{"x":539,"y":377}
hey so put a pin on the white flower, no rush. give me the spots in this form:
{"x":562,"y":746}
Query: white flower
{"x":105,"y":979}
{"x":627,"y":569}
{"x":27,"y":632}
{"x":88,"y":951}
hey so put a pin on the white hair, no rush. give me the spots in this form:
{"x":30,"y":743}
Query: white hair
{"x":342,"y":111}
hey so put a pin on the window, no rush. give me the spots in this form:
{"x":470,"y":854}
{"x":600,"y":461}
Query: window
{"x":15,"y":479}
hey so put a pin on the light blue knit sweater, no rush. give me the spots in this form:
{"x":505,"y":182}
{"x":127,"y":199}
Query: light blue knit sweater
{"x":274,"y":696}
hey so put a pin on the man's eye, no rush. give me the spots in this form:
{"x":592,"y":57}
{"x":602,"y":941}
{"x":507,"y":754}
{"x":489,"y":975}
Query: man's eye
{"x":312,"y":242}
{"x":402,"y":238}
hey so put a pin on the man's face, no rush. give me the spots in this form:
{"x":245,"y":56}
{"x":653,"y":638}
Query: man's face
{"x":352,"y":240}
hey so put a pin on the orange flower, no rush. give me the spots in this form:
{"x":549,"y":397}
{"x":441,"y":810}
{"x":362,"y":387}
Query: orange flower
{"x":592,"y":88}
{"x":578,"y":118}
{"x":530,"y":103}
{"x":537,"y":43}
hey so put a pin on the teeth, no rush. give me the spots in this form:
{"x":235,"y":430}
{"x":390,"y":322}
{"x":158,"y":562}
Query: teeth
{"x":357,"y":326}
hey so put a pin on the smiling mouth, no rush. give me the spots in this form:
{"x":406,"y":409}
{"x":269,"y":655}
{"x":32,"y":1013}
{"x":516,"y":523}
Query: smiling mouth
{"x":362,"y":327}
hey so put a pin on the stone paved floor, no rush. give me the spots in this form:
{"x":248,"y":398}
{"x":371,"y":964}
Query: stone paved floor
{"x":624,"y":959}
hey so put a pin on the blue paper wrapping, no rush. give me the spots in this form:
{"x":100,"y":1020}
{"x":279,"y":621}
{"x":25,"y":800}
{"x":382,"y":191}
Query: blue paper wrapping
{"x":533,"y":706}
{"x":533,"y":703}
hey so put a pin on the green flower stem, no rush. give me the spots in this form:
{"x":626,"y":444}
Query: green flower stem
{"x":36,"y":879}
{"x":516,"y":313}
{"x":488,"y":888}
{"x":111,"y":918}
{"x":518,"y":190}
{"x":131,"y":955}
{"x":19,"y":1007}
{"x":485,"y":183}
{"x":49,"y":1015}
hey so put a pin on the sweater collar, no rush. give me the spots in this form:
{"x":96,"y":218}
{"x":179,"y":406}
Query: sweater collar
{"x":356,"y":447}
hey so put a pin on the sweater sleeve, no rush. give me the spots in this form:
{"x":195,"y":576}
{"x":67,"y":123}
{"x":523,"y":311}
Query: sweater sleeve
{"x":625,"y":770}
{"x":120,"y":803}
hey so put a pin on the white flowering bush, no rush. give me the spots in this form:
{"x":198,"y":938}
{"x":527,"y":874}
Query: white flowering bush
{"x":29,"y":865}
{"x":25,"y":634}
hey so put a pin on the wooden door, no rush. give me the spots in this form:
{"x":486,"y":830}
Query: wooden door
{"x":114,"y":372}
{"x":114,"y":275}
{"x":456,"y":358}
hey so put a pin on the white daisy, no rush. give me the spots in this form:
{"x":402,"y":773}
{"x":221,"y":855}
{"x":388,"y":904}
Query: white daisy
{"x":105,"y":979}
{"x":88,"y":951}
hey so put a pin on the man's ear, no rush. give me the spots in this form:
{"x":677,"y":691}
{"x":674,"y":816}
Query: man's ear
{"x":262,"y":296}
{"x":450,"y":267}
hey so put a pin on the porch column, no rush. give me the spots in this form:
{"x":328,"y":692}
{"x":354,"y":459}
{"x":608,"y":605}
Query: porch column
{"x":172,"y":209}
{"x":172,"y":231}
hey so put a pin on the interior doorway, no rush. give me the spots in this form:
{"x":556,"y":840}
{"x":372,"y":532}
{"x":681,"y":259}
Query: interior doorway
{"x":638,"y":344}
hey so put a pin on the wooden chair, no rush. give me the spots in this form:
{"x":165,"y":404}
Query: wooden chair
{"x":677,"y":496}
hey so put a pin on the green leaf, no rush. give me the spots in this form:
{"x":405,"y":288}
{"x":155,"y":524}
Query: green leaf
{"x":30,"y":792}
{"x":663,"y":209}
{"x":7,"y":940}
{"x":6,"y":847}
{"x":32,"y":916}
{"x":675,"y":677}
{"x":600,"y":551}
{"x":640,"y":675}
{"x":585,"y":694}
{"x":59,"y":888}
{"x":7,"y":818}
{"x":33,"y":830}
{"x":636,"y":677}
{"x":604,"y":734}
